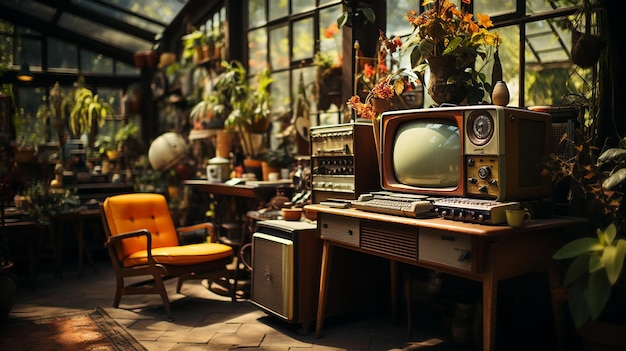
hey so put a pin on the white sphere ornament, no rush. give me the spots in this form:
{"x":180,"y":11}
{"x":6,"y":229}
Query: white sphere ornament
{"x":166,"y":151}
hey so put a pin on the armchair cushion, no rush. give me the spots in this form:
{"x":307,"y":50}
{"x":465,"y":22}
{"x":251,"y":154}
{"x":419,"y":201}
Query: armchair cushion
{"x":181,"y":255}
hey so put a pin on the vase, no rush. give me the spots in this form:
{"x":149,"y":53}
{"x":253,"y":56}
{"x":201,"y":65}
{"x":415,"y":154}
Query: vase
{"x":500,"y":95}
{"x":442,"y":68}
{"x":382,"y":105}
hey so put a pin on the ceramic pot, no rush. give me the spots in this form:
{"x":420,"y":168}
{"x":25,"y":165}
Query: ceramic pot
{"x":442,"y":68}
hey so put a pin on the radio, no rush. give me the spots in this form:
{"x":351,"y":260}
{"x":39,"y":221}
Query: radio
{"x":343,"y":161}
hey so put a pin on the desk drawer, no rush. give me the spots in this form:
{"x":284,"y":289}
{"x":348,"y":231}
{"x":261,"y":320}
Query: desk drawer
{"x":445,"y":248}
{"x":340,"y":228}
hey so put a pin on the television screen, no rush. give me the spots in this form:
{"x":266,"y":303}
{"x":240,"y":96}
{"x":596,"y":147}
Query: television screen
{"x":427,"y":153}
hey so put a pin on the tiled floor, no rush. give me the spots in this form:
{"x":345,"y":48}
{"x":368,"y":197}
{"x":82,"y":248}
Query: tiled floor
{"x":208,"y":321}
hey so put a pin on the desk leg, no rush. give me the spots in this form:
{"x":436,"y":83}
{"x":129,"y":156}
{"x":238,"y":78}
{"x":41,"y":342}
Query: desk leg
{"x":490,"y":298}
{"x":321,"y":302}
{"x":393,"y":278}
{"x":558,"y":294}
{"x":82,"y":251}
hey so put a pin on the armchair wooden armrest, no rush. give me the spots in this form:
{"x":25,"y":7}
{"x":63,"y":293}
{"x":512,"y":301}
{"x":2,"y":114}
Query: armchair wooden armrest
{"x":113,"y":240}
{"x":207,"y":226}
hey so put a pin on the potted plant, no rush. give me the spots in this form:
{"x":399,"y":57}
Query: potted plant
{"x":249,"y":107}
{"x":595,"y":279}
{"x":87,"y":113}
{"x":448,"y":40}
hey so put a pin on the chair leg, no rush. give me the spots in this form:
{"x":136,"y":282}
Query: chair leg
{"x":160,"y":288}
{"x":233,"y":290}
{"x":119,"y":286}
{"x":179,"y":284}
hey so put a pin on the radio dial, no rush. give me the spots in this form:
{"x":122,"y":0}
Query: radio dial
{"x":480,"y":127}
{"x":484,"y":172}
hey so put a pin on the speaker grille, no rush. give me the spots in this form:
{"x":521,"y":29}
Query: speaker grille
{"x":272,"y":275}
{"x":400,"y":240}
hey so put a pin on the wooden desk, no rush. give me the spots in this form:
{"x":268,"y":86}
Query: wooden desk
{"x":478,"y":252}
{"x":260,"y":193}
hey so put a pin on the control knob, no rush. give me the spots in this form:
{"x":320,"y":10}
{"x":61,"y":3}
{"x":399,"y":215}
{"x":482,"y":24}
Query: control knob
{"x":484,"y":172}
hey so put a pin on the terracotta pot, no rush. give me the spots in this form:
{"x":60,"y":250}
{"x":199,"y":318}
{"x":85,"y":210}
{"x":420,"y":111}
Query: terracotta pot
{"x":24,"y":155}
{"x":224,"y":143}
{"x":266,"y":169}
{"x":253,"y":166}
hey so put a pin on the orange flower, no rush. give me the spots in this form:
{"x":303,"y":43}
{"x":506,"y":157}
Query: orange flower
{"x":332,"y":30}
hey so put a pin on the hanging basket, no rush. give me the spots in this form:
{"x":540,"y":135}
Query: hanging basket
{"x":586,"y":48}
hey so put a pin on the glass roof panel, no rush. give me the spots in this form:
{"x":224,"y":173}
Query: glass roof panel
{"x":133,"y":19}
{"x":105,"y":34}
{"x":32,"y":8}
{"x":162,"y":11}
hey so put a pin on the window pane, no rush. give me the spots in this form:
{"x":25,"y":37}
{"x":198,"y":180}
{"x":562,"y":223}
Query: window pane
{"x":96,"y":63}
{"x":495,"y":8}
{"x":113,"y":97}
{"x":61,"y":54}
{"x":279,"y":92}
{"x":510,"y":60}
{"x":279,"y":48}
{"x":548,"y":78}
{"x":28,"y":48}
{"x":32,"y":128}
{"x":546,"y":43}
{"x":278,"y":9}
{"x":6,"y":42}
{"x":303,"y":41}
{"x":300,"y":6}
{"x":122,"y":68}
{"x":257,"y":51}
{"x":536,"y":6}
{"x":330,"y":35}
{"x":256,"y":13}
{"x":397,"y":24}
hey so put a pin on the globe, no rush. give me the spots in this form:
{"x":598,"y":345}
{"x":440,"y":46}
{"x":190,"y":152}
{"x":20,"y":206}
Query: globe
{"x":166,"y":151}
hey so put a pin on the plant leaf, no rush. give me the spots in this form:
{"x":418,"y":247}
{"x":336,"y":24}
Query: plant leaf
{"x":577,"y":269}
{"x":615,"y":179}
{"x":369,"y":14}
{"x":598,"y":293}
{"x":611,"y":155}
{"x":578,"y":247}
{"x":577,"y":302}
{"x":613,"y":260}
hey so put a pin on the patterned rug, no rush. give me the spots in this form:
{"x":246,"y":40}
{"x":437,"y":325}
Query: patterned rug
{"x":88,"y":330}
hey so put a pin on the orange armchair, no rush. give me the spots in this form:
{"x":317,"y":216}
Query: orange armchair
{"x":142,"y":241}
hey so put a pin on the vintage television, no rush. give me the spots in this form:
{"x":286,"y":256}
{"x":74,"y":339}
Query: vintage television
{"x":481,"y":151}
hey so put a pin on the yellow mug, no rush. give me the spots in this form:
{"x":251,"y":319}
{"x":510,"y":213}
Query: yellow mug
{"x":517,"y":218}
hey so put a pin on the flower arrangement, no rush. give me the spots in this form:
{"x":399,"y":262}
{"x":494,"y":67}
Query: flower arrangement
{"x":444,"y":30}
{"x":385,"y":87}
